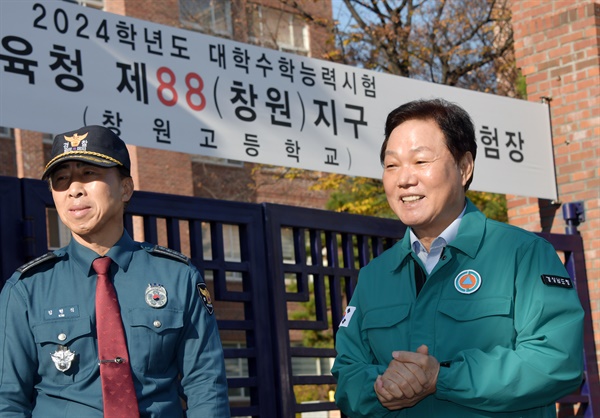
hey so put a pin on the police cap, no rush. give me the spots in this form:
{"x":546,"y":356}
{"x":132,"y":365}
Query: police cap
{"x":92,"y":144}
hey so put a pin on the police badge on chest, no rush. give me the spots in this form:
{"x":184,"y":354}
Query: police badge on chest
{"x":156,"y":295}
{"x":63,"y":358}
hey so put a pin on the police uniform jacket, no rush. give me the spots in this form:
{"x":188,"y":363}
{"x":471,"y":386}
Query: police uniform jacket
{"x":49,"y":304}
{"x":498,"y":311}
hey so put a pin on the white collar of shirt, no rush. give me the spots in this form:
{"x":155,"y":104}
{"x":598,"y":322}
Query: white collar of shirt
{"x":431,"y":258}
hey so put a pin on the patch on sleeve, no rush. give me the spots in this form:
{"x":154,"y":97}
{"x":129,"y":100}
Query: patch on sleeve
{"x":159,"y":249}
{"x":36,"y":262}
{"x":550,"y":280}
{"x":347,"y":316}
{"x":205,"y":296}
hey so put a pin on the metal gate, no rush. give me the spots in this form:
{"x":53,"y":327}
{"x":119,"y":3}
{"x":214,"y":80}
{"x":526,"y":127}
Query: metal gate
{"x":280,"y":278}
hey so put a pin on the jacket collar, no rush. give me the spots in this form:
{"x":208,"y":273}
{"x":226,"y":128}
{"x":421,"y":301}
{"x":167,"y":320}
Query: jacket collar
{"x":121,"y":253}
{"x":468,"y":240}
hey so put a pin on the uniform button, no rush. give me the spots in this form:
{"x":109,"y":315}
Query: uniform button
{"x":157,"y":324}
{"x":62,"y":337}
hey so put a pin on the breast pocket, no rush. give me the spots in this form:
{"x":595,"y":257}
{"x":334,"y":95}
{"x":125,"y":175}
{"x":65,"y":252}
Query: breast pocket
{"x":481,"y":323}
{"x":154,"y":337}
{"x":387,"y":330}
{"x":67,"y":345}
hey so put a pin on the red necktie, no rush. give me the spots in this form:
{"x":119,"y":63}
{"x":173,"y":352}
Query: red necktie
{"x":118,"y":393}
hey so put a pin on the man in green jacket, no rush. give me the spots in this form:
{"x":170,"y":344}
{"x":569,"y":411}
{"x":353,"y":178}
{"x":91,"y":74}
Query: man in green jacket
{"x":465,"y":316}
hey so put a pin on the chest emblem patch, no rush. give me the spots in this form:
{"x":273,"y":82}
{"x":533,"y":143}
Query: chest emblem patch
{"x":467,"y":282}
{"x":156,"y":295}
{"x":62,"y":358}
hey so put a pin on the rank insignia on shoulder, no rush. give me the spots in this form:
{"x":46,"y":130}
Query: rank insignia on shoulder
{"x":36,"y":262}
{"x":159,"y":249}
{"x":550,"y":280}
{"x":205,"y":296}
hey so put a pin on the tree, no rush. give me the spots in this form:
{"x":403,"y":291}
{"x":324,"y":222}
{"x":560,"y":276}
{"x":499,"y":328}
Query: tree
{"x":462,"y":43}
{"x":364,"y":196}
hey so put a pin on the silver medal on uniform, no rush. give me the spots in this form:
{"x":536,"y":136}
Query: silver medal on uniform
{"x":62,"y":358}
{"x":156,"y":295}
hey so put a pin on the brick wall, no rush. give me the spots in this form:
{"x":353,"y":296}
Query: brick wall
{"x":557,"y":47}
{"x":165,"y":12}
{"x":293,"y":191}
{"x":29,"y":151}
{"x":8,"y":158}
{"x":163,"y":171}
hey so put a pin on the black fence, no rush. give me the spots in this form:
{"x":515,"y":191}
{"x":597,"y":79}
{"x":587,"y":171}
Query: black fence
{"x":280,"y":278}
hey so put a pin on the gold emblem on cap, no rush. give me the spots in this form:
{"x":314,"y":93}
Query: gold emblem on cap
{"x":76,"y":139}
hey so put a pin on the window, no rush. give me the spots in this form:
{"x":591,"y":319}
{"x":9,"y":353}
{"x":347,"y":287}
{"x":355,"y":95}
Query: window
{"x":231,"y":249}
{"x":312,"y":366}
{"x":205,"y":159}
{"x":277,"y":29}
{"x":10,"y":133}
{"x":236,"y":367}
{"x":209,"y":16}
{"x":47,"y":138}
{"x":7,"y":132}
{"x":96,"y":4}
{"x":58,"y":234}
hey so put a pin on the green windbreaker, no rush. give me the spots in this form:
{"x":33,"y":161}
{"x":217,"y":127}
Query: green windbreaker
{"x":514,"y":345}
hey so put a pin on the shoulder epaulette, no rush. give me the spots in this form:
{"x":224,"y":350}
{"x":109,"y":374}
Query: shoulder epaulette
{"x":36,"y":262}
{"x":160,"y":250}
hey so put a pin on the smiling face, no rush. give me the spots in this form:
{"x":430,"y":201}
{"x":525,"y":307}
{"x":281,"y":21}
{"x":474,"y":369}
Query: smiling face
{"x":423,"y":183}
{"x":90,"y":202}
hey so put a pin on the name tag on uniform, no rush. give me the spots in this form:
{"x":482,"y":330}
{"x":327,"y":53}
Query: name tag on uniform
{"x":557,"y":281}
{"x":62,"y":312}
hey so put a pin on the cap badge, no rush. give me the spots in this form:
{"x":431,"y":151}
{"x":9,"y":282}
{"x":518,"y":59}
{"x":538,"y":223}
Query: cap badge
{"x":467,"y":282}
{"x":62,"y":358}
{"x":76,"y":142}
{"x":156,"y":295}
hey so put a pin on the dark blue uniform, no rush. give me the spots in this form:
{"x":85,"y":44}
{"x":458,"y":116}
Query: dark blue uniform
{"x":47,"y":310}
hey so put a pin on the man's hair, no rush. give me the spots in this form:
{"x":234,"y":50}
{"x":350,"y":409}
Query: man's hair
{"x":124,"y":172}
{"x":454,"y":122}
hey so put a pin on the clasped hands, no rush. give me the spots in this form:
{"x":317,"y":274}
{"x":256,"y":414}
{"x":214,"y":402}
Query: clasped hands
{"x":410,"y":377}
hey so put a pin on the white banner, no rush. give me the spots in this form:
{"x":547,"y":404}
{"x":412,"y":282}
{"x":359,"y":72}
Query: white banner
{"x":64,"y":66}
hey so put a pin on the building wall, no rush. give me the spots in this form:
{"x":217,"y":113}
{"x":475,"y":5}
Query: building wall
{"x":295,"y":190}
{"x":8,"y":157}
{"x":557,"y":47}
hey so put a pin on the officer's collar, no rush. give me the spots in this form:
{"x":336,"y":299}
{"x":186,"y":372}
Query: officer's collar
{"x":121,"y":253}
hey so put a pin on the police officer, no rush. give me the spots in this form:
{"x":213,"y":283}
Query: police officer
{"x":464,"y":317}
{"x":51,"y":310}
